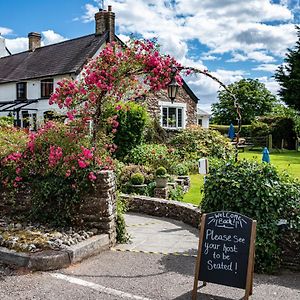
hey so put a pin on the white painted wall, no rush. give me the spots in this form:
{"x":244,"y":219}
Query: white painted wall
{"x":3,"y":51}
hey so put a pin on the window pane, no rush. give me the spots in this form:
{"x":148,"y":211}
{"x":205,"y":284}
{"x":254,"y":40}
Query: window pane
{"x":179,"y":111}
{"x":200,"y":122}
{"x":165,"y":117}
{"x":172,"y":117}
{"x":46,"y":88}
{"x":21,"y":90}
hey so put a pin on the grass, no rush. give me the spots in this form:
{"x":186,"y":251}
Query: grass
{"x":288,"y":161}
{"x":194,"y":195}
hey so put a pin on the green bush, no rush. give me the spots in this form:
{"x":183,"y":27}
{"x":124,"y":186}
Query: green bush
{"x":161,"y":171}
{"x":132,"y":118}
{"x":259,"y":192}
{"x":223,"y":129}
{"x":137,"y":178}
{"x":195,"y":142}
{"x":181,"y":169}
{"x":259,"y":129}
{"x":176,"y":193}
{"x":152,"y":155}
{"x":122,"y":235}
{"x":6,"y":121}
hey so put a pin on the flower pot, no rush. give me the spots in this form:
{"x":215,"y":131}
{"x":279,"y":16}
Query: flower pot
{"x":161,"y":182}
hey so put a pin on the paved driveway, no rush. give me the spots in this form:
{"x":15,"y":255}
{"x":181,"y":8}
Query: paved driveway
{"x":122,"y":274}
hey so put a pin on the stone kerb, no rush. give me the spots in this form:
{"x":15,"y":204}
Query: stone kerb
{"x":184,"y":212}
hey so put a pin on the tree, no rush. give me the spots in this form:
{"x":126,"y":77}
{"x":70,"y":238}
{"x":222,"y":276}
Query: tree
{"x":253,"y":97}
{"x":288,"y":76}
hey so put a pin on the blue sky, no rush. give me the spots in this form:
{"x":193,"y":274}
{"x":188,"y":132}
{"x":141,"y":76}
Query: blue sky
{"x":233,"y":39}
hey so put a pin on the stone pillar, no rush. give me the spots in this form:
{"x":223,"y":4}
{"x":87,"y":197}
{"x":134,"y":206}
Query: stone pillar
{"x":97,"y":210}
{"x":162,"y":193}
{"x":34,"y":39}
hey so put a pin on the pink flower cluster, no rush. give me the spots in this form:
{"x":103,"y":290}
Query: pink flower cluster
{"x":55,"y":155}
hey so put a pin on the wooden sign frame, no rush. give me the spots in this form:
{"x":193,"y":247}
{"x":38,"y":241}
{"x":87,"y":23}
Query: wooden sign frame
{"x":250,"y":267}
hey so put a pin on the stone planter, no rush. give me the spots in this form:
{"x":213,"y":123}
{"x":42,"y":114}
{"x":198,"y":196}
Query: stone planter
{"x":161,"y":182}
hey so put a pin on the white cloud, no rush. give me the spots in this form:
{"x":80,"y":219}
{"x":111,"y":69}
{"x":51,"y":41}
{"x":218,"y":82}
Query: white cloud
{"x":5,"y":31}
{"x":266,"y":68}
{"x":270,"y":84}
{"x":209,"y":57}
{"x":20,"y":44}
{"x":51,"y":37}
{"x":17,"y":45}
{"x":253,"y":56}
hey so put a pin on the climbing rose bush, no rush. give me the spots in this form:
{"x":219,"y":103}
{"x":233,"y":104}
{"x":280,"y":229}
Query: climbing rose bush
{"x":117,"y":74}
{"x":58,"y":166}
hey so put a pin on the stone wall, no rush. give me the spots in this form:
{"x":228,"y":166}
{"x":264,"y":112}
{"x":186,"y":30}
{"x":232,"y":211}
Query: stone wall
{"x":97,"y":210}
{"x":182,"y":97}
{"x":184,"y":212}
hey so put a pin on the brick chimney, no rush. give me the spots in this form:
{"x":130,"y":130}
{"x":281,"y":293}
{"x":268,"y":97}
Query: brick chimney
{"x":105,"y":21}
{"x":34,"y":39}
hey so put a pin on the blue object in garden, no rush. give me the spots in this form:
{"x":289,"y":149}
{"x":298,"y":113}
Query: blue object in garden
{"x":266,"y":155}
{"x":231,"y":133}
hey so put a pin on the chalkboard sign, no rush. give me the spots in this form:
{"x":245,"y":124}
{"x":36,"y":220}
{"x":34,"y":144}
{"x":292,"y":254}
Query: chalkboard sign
{"x":226,"y":250}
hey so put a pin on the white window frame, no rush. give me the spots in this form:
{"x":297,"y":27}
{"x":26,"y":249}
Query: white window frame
{"x":176,"y":105}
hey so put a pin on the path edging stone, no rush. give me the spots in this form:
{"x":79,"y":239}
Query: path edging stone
{"x":53,"y":260}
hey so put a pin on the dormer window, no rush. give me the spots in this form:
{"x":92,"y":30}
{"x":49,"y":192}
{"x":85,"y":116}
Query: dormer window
{"x":46,"y":87}
{"x":21,"y":91}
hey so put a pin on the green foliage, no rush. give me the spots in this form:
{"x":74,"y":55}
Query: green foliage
{"x":137,"y":178}
{"x":122,"y":235}
{"x":195,"y":142}
{"x":288,"y":76}
{"x":154,"y":133}
{"x":223,"y":129}
{"x":6,"y":121}
{"x":180,"y":169}
{"x":253,"y":97}
{"x":259,"y":192}
{"x":12,"y":140}
{"x":152,"y":155}
{"x":259,"y":129}
{"x":132,"y":118}
{"x":176,"y":193}
{"x":281,"y":128}
{"x":287,"y":112}
{"x":161,"y":171}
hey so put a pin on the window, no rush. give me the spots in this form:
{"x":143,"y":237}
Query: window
{"x":46,"y":87}
{"x":200,"y":122}
{"x":21,"y":91}
{"x":172,"y":117}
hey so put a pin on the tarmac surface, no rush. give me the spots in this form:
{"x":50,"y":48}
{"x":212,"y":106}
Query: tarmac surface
{"x":158,"y":264}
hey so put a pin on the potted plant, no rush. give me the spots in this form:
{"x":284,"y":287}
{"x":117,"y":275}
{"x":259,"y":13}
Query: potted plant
{"x":137,"y":183}
{"x":161,"y":177}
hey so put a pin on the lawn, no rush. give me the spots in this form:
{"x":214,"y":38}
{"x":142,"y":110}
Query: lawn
{"x":285,"y":161}
{"x":288,"y":161}
{"x":193,"y":195}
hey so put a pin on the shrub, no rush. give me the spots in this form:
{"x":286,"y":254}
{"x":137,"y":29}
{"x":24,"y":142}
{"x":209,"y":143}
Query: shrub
{"x":223,"y":129}
{"x":181,"y":169}
{"x":58,"y":167}
{"x":129,"y":119}
{"x":259,"y":192}
{"x":160,"y":172}
{"x":176,"y":193}
{"x":12,"y":140}
{"x":152,"y":155}
{"x":6,"y":121}
{"x":122,"y":235}
{"x":154,"y":133}
{"x":137,"y":178}
{"x":195,"y":142}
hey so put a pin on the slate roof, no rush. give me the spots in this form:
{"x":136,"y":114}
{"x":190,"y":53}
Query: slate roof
{"x":56,"y":59}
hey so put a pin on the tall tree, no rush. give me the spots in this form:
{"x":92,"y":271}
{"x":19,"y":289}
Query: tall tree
{"x":288,"y":76}
{"x":253,"y":97}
